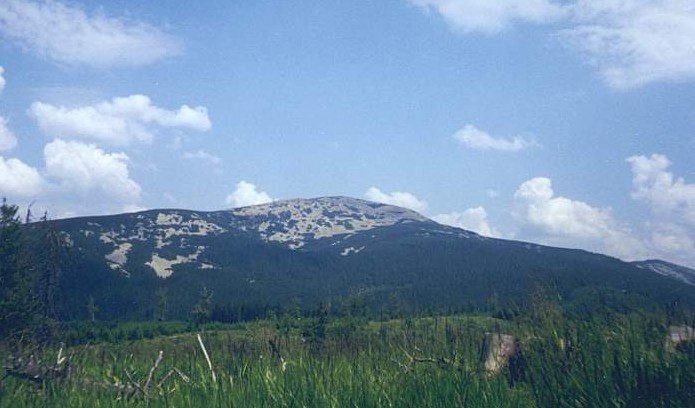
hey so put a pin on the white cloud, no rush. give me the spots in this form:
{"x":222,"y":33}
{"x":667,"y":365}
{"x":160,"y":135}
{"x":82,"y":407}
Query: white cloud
{"x":474,"y":138}
{"x":631,"y":42}
{"x":636,"y":42}
{"x":133,"y":208}
{"x":397,"y":198}
{"x":672,"y":204}
{"x":121,"y":121}
{"x":566,"y":222}
{"x":669,"y":232}
{"x":65,"y":33}
{"x":246,"y":194}
{"x":203,"y":156}
{"x":472,"y":219}
{"x":86,"y":169}
{"x":19,"y":179}
{"x":490,"y":17}
{"x":669,"y":197}
{"x":672,"y":240}
{"x":537,"y":205}
{"x":8,"y":140}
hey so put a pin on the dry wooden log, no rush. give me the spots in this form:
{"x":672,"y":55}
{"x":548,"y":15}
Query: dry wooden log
{"x":34,"y":370}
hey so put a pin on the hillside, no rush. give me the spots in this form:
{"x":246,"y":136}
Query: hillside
{"x":320,"y":250}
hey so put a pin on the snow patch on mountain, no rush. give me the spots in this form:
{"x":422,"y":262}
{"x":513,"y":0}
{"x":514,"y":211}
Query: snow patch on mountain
{"x":108,"y":237}
{"x":295,"y":221}
{"x":177,"y":225}
{"x":164,"y":267}
{"x":351,"y":250}
{"x":295,"y":224}
{"x":664,"y":268}
{"x":119,"y":255}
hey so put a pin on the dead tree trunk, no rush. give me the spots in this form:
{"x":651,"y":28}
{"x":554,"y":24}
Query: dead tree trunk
{"x":497,"y":350}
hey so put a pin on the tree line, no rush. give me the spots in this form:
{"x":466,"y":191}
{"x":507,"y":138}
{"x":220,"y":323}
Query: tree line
{"x":29,"y":278}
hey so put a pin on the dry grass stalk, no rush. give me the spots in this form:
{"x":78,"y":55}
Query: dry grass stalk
{"x":207,"y":358}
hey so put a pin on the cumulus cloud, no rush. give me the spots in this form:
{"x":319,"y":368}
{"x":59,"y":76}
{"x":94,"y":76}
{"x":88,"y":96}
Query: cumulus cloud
{"x":203,"y":156}
{"x":671,"y":240}
{"x":474,"y":138}
{"x":672,"y":204}
{"x":563,"y":221}
{"x":632,"y":43}
{"x":19,"y":179}
{"x":538,"y":206}
{"x":121,"y":121}
{"x":668,"y":233}
{"x":246,"y":194}
{"x":67,"y":34}
{"x":668,"y":196}
{"x":490,"y":17}
{"x":397,"y":198}
{"x":8,"y":140}
{"x":85,"y":168}
{"x":472,"y":219}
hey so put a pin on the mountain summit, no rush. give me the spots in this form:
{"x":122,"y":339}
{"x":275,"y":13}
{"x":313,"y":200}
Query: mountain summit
{"x":320,"y":249}
{"x":173,"y":237}
{"x":295,"y":221}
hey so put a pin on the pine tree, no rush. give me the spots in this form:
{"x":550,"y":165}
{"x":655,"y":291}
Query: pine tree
{"x":92,"y":309}
{"x":17,"y":305}
{"x":161,"y":304}
{"x":50,"y":264}
{"x":203,"y":310}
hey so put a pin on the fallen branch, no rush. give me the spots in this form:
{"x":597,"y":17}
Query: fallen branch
{"x":442,"y":361}
{"x":173,"y":371}
{"x":153,"y":369}
{"x":135,"y":384}
{"x":40,"y":373}
{"x":36,"y":371}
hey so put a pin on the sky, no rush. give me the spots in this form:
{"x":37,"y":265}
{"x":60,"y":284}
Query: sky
{"x":568,"y":123}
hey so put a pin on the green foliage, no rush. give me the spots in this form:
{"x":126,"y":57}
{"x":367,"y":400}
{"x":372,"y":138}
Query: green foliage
{"x":400,"y":273}
{"x":17,"y":304}
{"x":50,"y":259}
{"x":80,"y":332}
{"x":161,"y":303}
{"x":92,"y":309}
{"x":202,"y":312}
{"x":565,"y":361}
{"x":250,"y":374}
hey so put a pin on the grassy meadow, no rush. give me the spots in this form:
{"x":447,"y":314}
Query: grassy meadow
{"x":618,"y":360}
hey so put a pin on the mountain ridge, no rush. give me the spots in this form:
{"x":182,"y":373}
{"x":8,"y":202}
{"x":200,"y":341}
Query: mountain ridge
{"x":319,"y":249}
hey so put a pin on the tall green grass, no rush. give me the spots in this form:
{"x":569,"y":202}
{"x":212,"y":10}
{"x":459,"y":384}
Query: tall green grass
{"x":424,"y":362}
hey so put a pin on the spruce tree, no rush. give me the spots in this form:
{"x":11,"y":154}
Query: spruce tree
{"x":17,"y":305}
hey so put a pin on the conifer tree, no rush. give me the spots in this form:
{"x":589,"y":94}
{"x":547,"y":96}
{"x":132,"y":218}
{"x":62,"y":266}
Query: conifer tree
{"x":202,"y":311}
{"x":50,"y":264}
{"x":17,"y":305}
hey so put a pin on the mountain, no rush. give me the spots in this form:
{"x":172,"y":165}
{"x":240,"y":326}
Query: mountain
{"x":319,"y":250}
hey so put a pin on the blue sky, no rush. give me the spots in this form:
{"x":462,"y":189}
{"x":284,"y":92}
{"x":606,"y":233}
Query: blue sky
{"x":568,"y":123}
